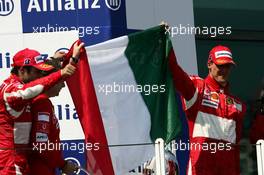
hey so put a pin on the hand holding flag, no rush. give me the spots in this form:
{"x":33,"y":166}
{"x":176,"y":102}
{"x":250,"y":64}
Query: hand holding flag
{"x":77,"y":49}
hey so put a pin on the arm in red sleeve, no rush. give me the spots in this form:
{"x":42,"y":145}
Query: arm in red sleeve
{"x":45,"y":131}
{"x":182,"y":82}
{"x":17,"y":95}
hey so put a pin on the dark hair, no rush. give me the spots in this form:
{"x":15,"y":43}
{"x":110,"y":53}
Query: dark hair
{"x":15,"y":69}
{"x":56,"y":63}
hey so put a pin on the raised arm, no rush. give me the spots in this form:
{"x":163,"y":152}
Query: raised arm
{"x":17,"y":95}
{"x":182,"y":82}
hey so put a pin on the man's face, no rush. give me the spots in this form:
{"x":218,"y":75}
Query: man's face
{"x":220,"y":72}
{"x":28,"y":76}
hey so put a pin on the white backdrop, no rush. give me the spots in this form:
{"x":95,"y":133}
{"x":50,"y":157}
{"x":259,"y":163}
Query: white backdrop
{"x":149,"y":13}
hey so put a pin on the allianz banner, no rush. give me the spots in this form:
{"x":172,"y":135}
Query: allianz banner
{"x":96,"y":20}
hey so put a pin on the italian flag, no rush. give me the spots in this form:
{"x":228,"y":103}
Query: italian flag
{"x":124,"y":95}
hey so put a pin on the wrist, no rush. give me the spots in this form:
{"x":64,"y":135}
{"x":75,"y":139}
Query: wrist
{"x":63,"y":74}
{"x":74,"y":59}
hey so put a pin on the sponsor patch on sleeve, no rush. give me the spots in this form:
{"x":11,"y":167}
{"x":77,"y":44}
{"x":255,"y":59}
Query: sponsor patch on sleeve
{"x":43,"y":127}
{"x":43,"y":116}
{"x":41,"y":137}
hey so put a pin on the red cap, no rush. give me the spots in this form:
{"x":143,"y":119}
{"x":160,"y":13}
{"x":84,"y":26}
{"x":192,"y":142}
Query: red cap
{"x":28,"y":57}
{"x":221,"y":55}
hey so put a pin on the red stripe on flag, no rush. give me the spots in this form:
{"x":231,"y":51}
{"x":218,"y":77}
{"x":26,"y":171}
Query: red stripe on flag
{"x":84,"y":97}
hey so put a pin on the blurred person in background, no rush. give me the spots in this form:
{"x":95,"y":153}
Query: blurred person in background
{"x":257,"y":129}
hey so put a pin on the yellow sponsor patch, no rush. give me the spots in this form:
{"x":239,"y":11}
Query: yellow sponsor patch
{"x":220,"y":61}
{"x":45,"y":66}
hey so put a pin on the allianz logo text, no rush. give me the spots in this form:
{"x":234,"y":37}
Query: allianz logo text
{"x":5,"y":60}
{"x":61,"y":5}
{"x":6,"y":7}
{"x":69,"y":5}
{"x":66,"y":112}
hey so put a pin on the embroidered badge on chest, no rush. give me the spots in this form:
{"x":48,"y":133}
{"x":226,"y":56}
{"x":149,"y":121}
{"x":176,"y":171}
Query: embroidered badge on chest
{"x":214,"y":96}
{"x":229,"y":101}
{"x":210,"y":99}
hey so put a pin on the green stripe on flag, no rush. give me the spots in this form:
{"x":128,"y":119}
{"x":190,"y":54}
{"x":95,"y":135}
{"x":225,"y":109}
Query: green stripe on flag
{"x":147,"y":53}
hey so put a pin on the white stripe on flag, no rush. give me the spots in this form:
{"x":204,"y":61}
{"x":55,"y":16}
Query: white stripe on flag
{"x":125,"y":115}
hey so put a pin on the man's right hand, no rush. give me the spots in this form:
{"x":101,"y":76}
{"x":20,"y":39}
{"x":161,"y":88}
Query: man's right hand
{"x":68,"y":70}
{"x":77,"y":49}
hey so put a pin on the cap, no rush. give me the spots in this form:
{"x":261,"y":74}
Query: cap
{"x":221,"y":55}
{"x":29,"y":57}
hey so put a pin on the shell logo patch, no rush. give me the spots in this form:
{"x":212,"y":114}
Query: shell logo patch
{"x":214,"y":96}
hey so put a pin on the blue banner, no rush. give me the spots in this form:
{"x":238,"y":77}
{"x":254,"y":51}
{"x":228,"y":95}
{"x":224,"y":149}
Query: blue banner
{"x":96,"y":20}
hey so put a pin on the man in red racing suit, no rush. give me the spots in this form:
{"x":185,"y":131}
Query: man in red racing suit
{"x":45,"y":138}
{"x":16,"y":93}
{"x":46,"y":153}
{"x":214,"y":115}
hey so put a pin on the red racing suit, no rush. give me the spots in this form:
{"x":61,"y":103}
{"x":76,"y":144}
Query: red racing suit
{"x":44,"y":134}
{"x":215,"y":123}
{"x":15,"y":120}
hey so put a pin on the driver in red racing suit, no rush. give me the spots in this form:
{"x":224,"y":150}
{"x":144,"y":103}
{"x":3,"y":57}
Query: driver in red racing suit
{"x":46,"y":153}
{"x":16,"y":93}
{"x":214,"y":115}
